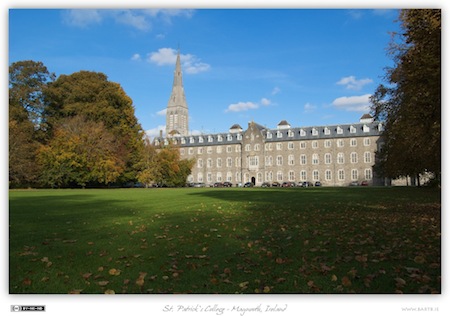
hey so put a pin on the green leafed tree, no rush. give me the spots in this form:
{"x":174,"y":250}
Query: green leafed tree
{"x":92,"y":96}
{"x":27,"y":83}
{"x":80,"y":152}
{"x":410,"y":102}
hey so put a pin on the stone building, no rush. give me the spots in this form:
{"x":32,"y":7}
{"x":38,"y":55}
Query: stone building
{"x":335,"y":155}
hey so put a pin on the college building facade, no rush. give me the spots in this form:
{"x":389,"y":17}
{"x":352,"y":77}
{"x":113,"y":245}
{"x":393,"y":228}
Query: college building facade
{"x":334,"y":155}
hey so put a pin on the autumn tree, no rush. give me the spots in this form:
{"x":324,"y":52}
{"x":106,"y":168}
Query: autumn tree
{"x":410,"y":102}
{"x":27,"y":83}
{"x":80,"y":152}
{"x":92,"y":96}
{"x":164,"y":166}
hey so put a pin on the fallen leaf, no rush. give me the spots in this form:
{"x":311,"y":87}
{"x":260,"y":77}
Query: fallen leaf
{"x":26,"y":281}
{"x":102,"y":283}
{"x":266,"y":289}
{"x":110,"y":292}
{"x":114,"y":272}
{"x":346,"y":281}
{"x":334,"y":278}
{"x":77,"y":291}
{"x":419,"y":259}
{"x":86,"y":275}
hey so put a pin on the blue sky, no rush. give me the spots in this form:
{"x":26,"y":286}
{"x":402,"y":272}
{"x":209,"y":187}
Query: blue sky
{"x":307,"y":66}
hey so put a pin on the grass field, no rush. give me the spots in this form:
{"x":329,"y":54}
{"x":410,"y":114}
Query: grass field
{"x":237,"y":240}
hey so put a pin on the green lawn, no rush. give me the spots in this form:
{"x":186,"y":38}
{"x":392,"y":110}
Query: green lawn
{"x":238,"y":240}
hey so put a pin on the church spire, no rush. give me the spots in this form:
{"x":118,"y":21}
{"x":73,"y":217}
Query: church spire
{"x":177,"y":110}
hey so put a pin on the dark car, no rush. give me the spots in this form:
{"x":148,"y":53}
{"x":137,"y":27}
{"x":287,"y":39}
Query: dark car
{"x":306,"y":184}
{"x":218,"y":185}
{"x":275,"y":184}
{"x":265,"y":185}
{"x":248,"y":185}
{"x":364,"y":183}
{"x":317,"y":184}
{"x":227,"y":184}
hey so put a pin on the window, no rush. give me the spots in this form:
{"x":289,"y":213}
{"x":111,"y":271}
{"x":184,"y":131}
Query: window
{"x":239,"y":136}
{"x":210,"y":139}
{"x":256,"y":147}
{"x":247,"y":147}
{"x":340,"y":143}
{"x":238,"y":161}
{"x":290,"y":133}
{"x":327,"y":143}
{"x":209,"y":163}
{"x":268,"y":147}
{"x":219,"y":138}
{"x":200,"y":163}
{"x":183,"y":141}
{"x":200,"y":150}
{"x":303,"y":175}
{"x":368,"y":174}
{"x":327,"y":158}
{"x":268,"y":160}
{"x":279,"y":160}
{"x":237,"y":148}
{"x":269,"y":135}
{"x":315,"y":144}
{"x":200,"y":139}
{"x":328,"y":175}
{"x":352,"y":129}
{"x":191,"y":151}
{"x":191,"y":140}
{"x":279,"y":176}
{"x":354,"y":174}
{"x":209,"y":150}
{"x":339,"y":130}
{"x":200,"y":177}
{"x":353,"y":142}
{"x":269,"y":176}
{"x":279,"y":146}
{"x":229,"y":150}
{"x":367,"y":157}
{"x":219,"y":176}
{"x":219,"y":162}
{"x":303,"y":159}
{"x":291,"y":160}
{"x":259,"y":177}
{"x":315,"y":131}
{"x":229,"y":162}
{"x":253,"y":161}
{"x":326,"y":131}
{"x":302,"y":145}
{"x":341,"y":174}
{"x":315,"y":159}
{"x":219,"y":149}
{"x":316,"y":175}
{"x":229,"y":137}
{"x":366,"y":128}
{"x":291,"y":175}
{"x":302,"y":132}
{"x":182,"y":151}
{"x":353,"y":157}
{"x":279,"y":134}
{"x":366,"y":141}
{"x":209,"y":177}
{"x":290,"y":145}
{"x":229,"y":176}
{"x":340,"y":158}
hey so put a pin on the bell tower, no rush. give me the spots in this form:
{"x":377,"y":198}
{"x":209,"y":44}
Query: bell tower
{"x":177,"y":116}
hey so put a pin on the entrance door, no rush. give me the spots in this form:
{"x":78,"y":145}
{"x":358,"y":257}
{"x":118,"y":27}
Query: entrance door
{"x":253,"y":180}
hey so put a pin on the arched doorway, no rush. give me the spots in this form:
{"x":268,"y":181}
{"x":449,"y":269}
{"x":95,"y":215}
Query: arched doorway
{"x":253,"y":180}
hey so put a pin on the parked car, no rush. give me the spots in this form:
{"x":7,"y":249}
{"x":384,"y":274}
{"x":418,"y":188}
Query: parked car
{"x":248,"y":185}
{"x":275,"y":184}
{"x":198,"y":185}
{"x":354,"y":183}
{"x":306,"y":184}
{"x":364,"y":183}
{"x":227,"y":184}
{"x":265,"y":185}
{"x":218,"y":185}
{"x":317,"y":184}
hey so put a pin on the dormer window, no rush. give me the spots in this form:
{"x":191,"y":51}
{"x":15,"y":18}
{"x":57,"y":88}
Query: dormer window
{"x":183,"y":140}
{"x":352,"y":129}
{"x":302,"y":132}
{"x":366,"y":128}
{"x":210,"y":139}
{"x":191,"y":140}
{"x":339,"y":130}
{"x":200,"y":139}
{"x":326,"y":131}
{"x":229,"y":137}
{"x":290,"y":133}
{"x":269,"y":135}
{"x":219,"y":138}
{"x":315,"y":132}
{"x":279,"y":134}
{"x":239,"y":137}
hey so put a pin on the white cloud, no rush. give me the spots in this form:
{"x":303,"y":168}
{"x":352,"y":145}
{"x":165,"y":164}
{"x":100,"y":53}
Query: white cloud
{"x":266,"y":102}
{"x":155,"y":132}
{"x":276,"y":90}
{"x":139,"y":19}
{"x":242,"y":106}
{"x":82,"y":17}
{"x":352,"y":83}
{"x":162,"y":112}
{"x":136,"y":57}
{"x":308,"y":107}
{"x":355,"y":103}
{"x":168,"y":56}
